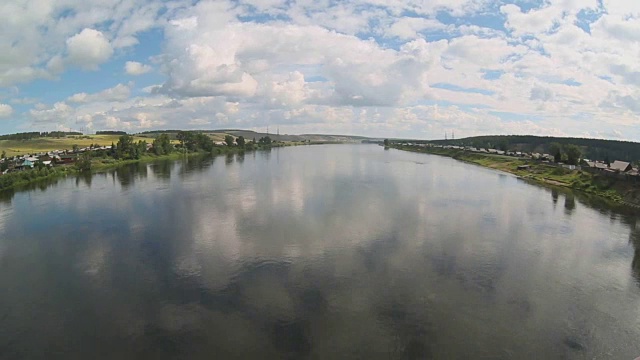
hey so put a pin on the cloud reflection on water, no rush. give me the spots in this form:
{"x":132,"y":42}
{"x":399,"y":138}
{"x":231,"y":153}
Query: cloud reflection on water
{"x":322,"y":252}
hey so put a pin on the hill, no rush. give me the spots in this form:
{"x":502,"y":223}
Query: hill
{"x":594,"y":149}
{"x":40,"y":144}
{"x":219,"y":134}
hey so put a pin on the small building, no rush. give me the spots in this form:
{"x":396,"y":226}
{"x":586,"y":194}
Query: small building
{"x":524,"y":167}
{"x":620,"y":166}
{"x":601,"y":165}
{"x":67,"y":159}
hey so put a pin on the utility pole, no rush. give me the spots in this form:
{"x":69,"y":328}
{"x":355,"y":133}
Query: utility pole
{"x":445,"y":136}
{"x":453,"y":137}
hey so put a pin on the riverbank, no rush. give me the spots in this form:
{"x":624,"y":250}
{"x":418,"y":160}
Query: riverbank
{"x":611,"y":189}
{"x":108,"y":163}
{"x":23,"y":179}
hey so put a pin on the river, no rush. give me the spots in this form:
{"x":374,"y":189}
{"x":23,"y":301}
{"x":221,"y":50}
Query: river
{"x":324,"y":252}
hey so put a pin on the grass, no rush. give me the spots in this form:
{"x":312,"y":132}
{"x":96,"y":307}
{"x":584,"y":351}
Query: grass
{"x":22,"y":147}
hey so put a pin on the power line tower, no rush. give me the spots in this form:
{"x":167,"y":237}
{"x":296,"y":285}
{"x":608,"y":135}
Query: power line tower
{"x":453,"y":137}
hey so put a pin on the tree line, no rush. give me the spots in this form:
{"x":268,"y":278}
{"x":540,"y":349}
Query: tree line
{"x":189,"y":141}
{"x":36,"y":134}
{"x":109,"y":132}
{"x":594,"y":149}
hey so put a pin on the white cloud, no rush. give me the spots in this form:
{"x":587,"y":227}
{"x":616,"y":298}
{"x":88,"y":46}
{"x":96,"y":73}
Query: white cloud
{"x":57,"y":113}
{"x":357,"y":72}
{"x":135,"y":68}
{"x":119,"y":92}
{"x":349,"y":66}
{"x":88,"y":49}
{"x":541,"y":93}
{"x":5,"y":110}
{"x":409,"y":27}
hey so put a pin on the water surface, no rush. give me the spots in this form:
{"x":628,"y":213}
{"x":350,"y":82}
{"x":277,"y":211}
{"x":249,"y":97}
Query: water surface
{"x":317,"y":252}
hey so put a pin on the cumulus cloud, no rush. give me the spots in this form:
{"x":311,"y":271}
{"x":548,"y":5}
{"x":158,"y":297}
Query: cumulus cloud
{"x":135,"y":68}
{"x":360,"y":66}
{"x":119,"y":92}
{"x":35,"y":33}
{"x":5,"y":110}
{"x":357,"y":72}
{"x":88,"y":49}
{"x":55,"y":114}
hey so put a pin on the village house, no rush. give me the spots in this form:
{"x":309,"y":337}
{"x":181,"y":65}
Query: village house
{"x":620,"y":166}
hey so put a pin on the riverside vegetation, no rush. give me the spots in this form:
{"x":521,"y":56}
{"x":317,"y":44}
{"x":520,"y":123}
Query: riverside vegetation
{"x":609,"y":188}
{"x":127,"y":150}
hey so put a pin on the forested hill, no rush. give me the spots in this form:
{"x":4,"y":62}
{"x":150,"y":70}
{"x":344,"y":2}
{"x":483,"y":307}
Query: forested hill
{"x":35,"y":135}
{"x":594,"y":149}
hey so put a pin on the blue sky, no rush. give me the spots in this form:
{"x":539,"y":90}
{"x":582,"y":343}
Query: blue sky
{"x":414,"y":68}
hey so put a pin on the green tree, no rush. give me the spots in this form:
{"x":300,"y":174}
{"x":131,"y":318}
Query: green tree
{"x":187,"y":140}
{"x":4,"y":154}
{"x":75,"y":148}
{"x":202,"y":142}
{"x":556,"y":151}
{"x":573,"y":154}
{"x":162,"y":145}
{"x":83,"y":164}
{"x":126,"y":149}
{"x":229,"y":140}
{"x":140,"y":148}
{"x":264,"y":141}
{"x":240,"y":141}
{"x":386,"y":142}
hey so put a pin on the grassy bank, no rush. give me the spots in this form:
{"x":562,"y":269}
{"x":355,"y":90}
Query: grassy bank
{"x":611,"y":189}
{"x":20,"y":179}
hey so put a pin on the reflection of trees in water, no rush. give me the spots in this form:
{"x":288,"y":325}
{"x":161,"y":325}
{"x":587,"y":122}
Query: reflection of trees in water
{"x":264,"y":153}
{"x":240,"y":157}
{"x":127,"y":175}
{"x":228,"y":159}
{"x":6,"y":196}
{"x":196,"y":164}
{"x":554,"y":196}
{"x":410,"y":333}
{"x":85,"y":177}
{"x":162,"y":169}
{"x":634,"y":239}
{"x":569,"y":203}
{"x":124,"y":176}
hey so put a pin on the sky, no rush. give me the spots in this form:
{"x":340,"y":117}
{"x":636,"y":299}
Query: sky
{"x":381,"y":68}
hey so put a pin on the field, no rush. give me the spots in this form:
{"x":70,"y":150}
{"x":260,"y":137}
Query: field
{"x":21,"y":147}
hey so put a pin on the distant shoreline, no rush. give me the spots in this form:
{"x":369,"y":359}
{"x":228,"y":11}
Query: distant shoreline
{"x":28,"y":178}
{"x":618,"y":192}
